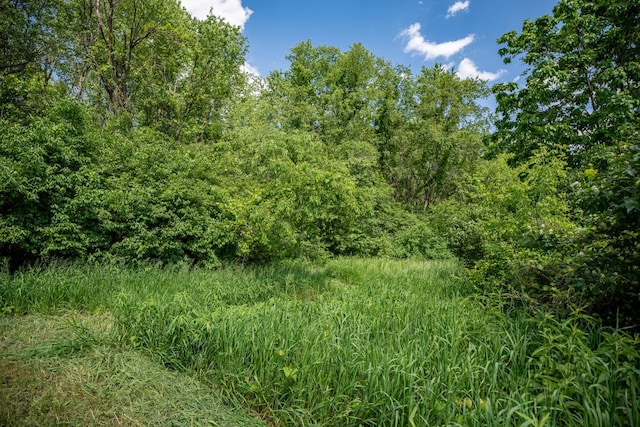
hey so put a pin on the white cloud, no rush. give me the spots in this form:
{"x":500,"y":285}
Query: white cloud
{"x":230,"y":10}
{"x":448,"y":66}
{"x":468,"y":70}
{"x":431,"y":50}
{"x":256,"y":83}
{"x":457,"y":7}
{"x":250,"y":69}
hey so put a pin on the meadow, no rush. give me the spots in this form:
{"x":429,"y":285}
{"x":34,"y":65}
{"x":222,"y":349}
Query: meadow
{"x":346,"y":342}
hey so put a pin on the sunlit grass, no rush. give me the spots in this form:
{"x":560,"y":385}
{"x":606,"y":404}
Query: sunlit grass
{"x":356,"y":342}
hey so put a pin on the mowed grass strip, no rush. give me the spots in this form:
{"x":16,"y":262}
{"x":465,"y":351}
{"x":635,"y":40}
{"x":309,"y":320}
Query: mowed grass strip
{"x":61,"y":370}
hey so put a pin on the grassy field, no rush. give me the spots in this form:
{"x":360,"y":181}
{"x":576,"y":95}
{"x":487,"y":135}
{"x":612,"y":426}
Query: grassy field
{"x":347,"y":343}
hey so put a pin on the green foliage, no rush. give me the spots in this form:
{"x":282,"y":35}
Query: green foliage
{"x":581,"y":89}
{"x":260,"y":194}
{"x":426,"y":129}
{"x":188,"y":103}
{"x":192,"y":164}
{"x":605,"y":269}
{"x":335,"y":197}
{"x":292,"y":197}
{"x":419,"y":241}
{"x":350,"y":342}
{"x":115,"y":44}
{"x":572,"y":357}
{"x":158,"y":202}
{"x":168,"y":156}
{"x":42,"y":165}
{"x":580,"y":103}
{"x":28,"y":44}
{"x":462,"y":228}
{"x":437,"y":139}
{"x":510,"y":226}
{"x":327,"y":91}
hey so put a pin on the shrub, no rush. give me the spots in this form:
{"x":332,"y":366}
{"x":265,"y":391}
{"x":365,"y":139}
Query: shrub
{"x":419,"y":241}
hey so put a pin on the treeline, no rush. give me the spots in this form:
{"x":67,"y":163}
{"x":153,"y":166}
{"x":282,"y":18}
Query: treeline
{"x":129,"y":131}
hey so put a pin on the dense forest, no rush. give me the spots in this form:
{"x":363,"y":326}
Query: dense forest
{"x":129,"y":132}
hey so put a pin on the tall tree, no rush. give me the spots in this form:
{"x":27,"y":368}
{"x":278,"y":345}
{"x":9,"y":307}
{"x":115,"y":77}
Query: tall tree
{"x":439,"y":136}
{"x":582,"y":98}
{"x":26,"y":36}
{"x":583,"y":80}
{"x":210,"y":77}
{"x":151,"y":60}
{"x":113,"y":40}
{"x":30,"y":51}
{"x":328,"y":91}
{"x":298,"y":92}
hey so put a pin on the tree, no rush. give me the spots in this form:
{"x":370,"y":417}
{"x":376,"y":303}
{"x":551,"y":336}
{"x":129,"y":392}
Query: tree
{"x":30,"y":50}
{"x":153,"y":62}
{"x":118,"y":43}
{"x":582,"y":99}
{"x":583,"y":82}
{"x":210,"y":77}
{"x":418,"y":131}
{"x":26,"y":36}
{"x":334,"y":95}
{"x":439,"y":136}
{"x":310,"y":91}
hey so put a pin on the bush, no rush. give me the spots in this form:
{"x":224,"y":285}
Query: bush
{"x":512,"y":230}
{"x":604,"y":265}
{"x":43,"y":165}
{"x":419,"y":241}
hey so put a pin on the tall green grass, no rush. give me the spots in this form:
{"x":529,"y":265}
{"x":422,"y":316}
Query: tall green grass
{"x":360,"y":342}
{"x":89,"y":287}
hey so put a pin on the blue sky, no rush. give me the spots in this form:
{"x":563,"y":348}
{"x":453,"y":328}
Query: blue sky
{"x":458,"y":33}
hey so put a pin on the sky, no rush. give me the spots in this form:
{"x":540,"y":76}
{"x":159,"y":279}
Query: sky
{"x":460,"y":34}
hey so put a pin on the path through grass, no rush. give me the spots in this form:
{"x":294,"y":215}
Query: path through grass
{"x":64,"y":370}
{"x":355,"y":342}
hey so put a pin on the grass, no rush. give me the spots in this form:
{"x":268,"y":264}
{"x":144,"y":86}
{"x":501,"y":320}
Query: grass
{"x":64,"y":370}
{"x":353,"y":342}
